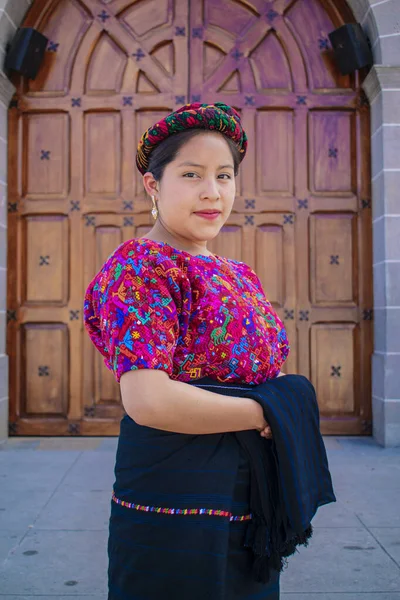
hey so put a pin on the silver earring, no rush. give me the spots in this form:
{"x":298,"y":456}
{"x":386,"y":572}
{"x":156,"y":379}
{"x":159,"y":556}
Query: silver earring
{"x":154,"y":210}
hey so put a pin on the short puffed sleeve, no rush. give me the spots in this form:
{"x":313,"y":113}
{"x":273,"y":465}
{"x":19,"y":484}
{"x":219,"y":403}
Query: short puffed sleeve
{"x":131,"y":315}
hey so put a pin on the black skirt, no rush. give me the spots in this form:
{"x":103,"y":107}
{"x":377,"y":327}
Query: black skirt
{"x":142,"y":568}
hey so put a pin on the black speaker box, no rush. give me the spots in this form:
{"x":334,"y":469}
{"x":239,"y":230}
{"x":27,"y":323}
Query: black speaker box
{"x":351,"y":48}
{"x":26,"y":52}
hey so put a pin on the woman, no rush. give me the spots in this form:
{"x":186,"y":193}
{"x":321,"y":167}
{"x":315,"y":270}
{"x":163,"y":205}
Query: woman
{"x":165,"y":312}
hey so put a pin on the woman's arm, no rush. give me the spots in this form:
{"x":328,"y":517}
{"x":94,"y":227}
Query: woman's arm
{"x":152,"y":399}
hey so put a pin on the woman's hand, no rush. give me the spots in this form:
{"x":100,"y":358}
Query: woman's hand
{"x":263,"y":427}
{"x":266,"y":431}
{"x":261,"y":424}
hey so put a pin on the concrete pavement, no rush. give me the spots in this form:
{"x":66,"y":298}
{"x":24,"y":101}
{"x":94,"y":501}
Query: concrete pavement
{"x":54,"y":506}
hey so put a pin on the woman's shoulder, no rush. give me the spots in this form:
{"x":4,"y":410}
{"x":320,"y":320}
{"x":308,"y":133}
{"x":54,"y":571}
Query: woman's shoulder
{"x":137,"y":251}
{"x":139,"y":259}
{"x":245,"y":272}
{"x":135,"y":265}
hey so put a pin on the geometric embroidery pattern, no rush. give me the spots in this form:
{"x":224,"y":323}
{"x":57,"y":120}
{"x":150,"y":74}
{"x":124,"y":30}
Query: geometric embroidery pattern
{"x":182,"y":511}
{"x":153,"y":306}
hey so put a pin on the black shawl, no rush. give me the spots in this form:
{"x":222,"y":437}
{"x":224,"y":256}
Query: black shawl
{"x":290,"y":477}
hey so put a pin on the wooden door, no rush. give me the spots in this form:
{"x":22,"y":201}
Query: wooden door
{"x":301,"y":217}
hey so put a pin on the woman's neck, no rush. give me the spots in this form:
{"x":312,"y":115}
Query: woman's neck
{"x":159,"y":234}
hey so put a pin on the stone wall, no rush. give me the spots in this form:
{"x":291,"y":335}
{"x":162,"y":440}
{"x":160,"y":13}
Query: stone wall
{"x":381,"y":21}
{"x":11,"y":14}
{"x":383,"y":90}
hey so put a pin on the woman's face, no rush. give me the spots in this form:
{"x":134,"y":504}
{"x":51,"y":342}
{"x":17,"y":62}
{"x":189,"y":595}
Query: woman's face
{"x":201,"y":178}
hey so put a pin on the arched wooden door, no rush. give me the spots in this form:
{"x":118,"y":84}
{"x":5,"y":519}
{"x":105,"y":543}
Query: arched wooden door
{"x":301,"y":217}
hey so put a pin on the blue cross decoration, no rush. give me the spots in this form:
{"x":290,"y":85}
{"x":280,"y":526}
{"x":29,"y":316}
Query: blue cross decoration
{"x":366,"y":426}
{"x":334,"y":259}
{"x":52,"y":46}
{"x":127,"y":101}
{"x":139,"y":54}
{"x":249,"y":220}
{"x":197,"y":32}
{"x":250,"y":203}
{"x":196,"y":98}
{"x":75,"y":205}
{"x":127,"y":205}
{"x":302,"y":203}
{"x":236,"y":54}
{"x":179,"y":99}
{"x":45,"y":155}
{"x":366,"y":203}
{"x":335,"y":372}
{"x":304,"y":315}
{"x":44,"y":260}
{"x":180,"y":31}
{"x":368,"y":314}
{"x":12,"y":428}
{"x":90,"y":220}
{"x":76,"y":102}
{"x":103,"y":16}
{"x":323,"y":43}
{"x":271,"y":15}
{"x":288,"y":219}
{"x":289,"y":314}
{"x":362,"y":99}
{"x":249,"y":100}
{"x":12,"y":207}
{"x":44,"y":371}
{"x":333,"y":152}
{"x":128,"y":221}
{"x":11,"y":315}
{"x":89,"y":411}
{"x":74,"y":315}
{"x":74,"y":429}
{"x":301,"y":100}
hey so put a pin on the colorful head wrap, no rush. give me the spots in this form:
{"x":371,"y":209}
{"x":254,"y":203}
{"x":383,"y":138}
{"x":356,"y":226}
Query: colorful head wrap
{"x":215,"y":117}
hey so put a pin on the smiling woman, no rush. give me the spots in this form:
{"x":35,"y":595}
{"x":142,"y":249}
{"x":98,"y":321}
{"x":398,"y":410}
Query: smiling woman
{"x":164,"y":312}
{"x":194,"y":198}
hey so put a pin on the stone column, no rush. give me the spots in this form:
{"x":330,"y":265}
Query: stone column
{"x":11,"y":15}
{"x":6,"y":92}
{"x":382,"y":87}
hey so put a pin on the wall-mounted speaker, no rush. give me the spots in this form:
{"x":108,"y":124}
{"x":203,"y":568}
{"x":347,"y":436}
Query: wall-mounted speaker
{"x":26,"y":52}
{"x":351,"y":48}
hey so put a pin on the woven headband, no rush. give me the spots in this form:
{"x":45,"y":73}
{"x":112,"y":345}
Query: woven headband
{"x":214,"y":117}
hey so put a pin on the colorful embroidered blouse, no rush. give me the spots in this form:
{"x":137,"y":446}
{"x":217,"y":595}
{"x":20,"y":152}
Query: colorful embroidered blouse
{"x":153,"y":306}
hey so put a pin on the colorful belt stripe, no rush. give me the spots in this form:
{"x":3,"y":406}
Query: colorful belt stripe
{"x":183,"y":511}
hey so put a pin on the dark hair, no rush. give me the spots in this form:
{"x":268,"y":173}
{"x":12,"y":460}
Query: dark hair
{"x":166,"y":151}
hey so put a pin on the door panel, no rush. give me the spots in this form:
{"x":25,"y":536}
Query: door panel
{"x":44,"y":350}
{"x":332,"y":148}
{"x":334,"y":350}
{"x":45,"y":260}
{"x":333,"y":259}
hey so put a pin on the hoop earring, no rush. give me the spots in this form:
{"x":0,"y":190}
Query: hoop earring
{"x":154,"y":210}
